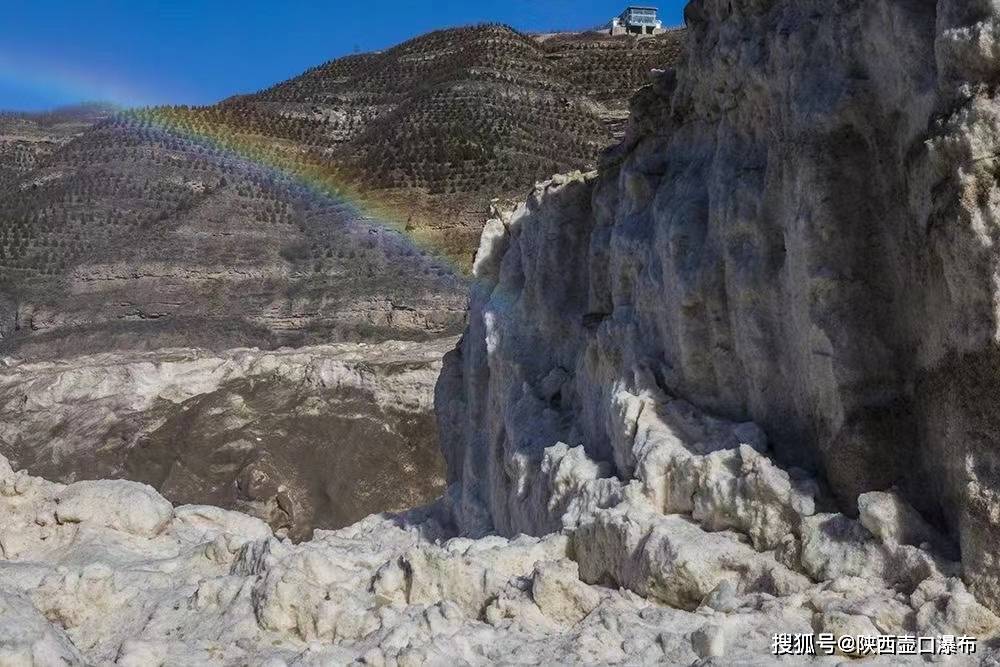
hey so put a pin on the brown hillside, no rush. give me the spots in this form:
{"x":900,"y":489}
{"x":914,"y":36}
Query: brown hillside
{"x":28,"y":138}
{"x":340,"y":204}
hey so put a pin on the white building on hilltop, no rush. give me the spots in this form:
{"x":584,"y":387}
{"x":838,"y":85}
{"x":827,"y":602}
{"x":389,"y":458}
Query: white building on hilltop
{"x":637,"y":21}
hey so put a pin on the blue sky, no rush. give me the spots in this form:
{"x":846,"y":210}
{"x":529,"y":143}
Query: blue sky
{"x":55,"y":52}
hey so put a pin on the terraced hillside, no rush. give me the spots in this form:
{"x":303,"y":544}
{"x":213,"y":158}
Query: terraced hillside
{"x":442,"y":124}
{"x":27,"y":138}
{"x":342,"y":204}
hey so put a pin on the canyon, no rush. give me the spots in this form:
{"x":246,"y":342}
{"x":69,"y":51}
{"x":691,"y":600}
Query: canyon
{"x":734,"y":382}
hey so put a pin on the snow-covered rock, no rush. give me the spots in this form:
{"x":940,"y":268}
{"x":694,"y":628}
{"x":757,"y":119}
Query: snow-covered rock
{"x":892,"y":519}
{"x":131,"y":580}
{"x":125,"y":506}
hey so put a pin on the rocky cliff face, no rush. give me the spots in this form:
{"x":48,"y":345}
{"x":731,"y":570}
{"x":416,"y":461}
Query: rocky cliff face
{"x":799,"y":231}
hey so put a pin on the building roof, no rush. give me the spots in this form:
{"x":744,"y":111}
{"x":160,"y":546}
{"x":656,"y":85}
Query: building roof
{"x":655,"y":9}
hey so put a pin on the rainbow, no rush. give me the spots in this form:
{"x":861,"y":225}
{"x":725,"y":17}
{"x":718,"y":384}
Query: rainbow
{"x":285,"y":160}
{"x":269,"y":156}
